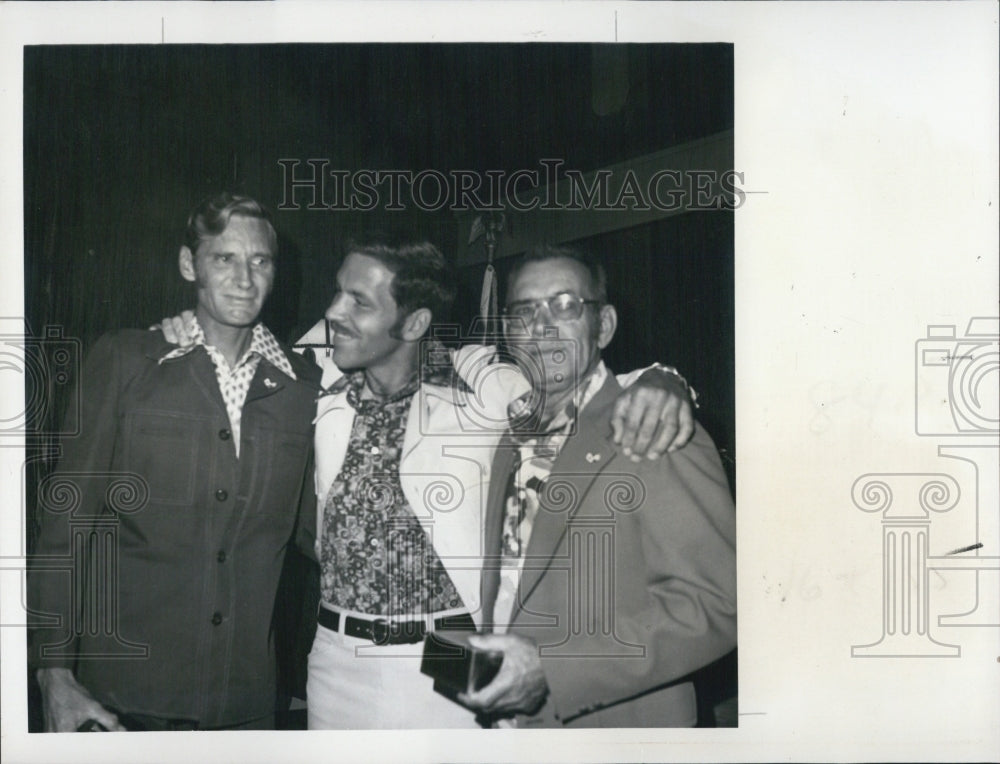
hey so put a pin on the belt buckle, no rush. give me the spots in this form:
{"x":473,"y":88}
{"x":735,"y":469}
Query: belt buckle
{"x":391,"y":631}
{"x":381,"y":631}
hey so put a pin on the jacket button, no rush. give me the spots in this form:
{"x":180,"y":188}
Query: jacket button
{"x":221,"y":495}
{"x":221,"y":556}
{"x":225,"y":434}
{"x":216,"y":618}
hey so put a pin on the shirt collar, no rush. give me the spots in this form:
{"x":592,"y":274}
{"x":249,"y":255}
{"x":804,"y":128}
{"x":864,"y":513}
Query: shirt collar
{"x":356,"y":384}
{"x":262,"y":343}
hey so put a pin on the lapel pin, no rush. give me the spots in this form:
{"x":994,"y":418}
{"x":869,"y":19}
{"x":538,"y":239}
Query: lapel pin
{"x":591,"y":458}
{"x":269,"y":384}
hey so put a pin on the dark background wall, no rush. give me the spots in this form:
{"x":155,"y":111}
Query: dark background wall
{"x":121,"y":141}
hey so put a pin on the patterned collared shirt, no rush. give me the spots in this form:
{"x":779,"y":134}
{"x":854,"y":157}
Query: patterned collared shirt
{"x":234,"y":382}
{"x":538,"y":449}
{"x":376,"y":557}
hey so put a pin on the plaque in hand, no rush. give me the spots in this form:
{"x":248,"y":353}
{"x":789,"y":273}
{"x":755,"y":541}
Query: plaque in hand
{"x":457,"y":666}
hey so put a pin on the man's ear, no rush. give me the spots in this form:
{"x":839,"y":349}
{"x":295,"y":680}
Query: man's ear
{"x":609,"y":322}
{"x":185,"y":260}
{"x":416,"y":325}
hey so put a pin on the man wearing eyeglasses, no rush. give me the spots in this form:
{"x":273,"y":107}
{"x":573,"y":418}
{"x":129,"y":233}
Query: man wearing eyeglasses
{"x":402,"y":452}
{"x":607,"y":581}
{"x":403,"y":447}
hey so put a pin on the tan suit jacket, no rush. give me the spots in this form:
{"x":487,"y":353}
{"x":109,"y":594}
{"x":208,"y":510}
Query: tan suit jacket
{"x":629,"y":582}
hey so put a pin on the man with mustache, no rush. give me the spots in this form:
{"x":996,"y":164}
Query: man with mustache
{"x":403,"y":451}
{"x":402,"y":447}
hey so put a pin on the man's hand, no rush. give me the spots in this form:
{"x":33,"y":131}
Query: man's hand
{"x":66,"y":704}
{"x":175,"y":329}
{"x":519,"y":686}
{"x":653,"y":415}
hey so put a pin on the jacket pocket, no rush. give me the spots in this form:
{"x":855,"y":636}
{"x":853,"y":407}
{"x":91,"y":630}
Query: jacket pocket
{"x":277,"y":488}
{"x":165,"y":451}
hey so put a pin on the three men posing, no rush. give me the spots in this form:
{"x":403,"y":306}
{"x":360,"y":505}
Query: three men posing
{"x":402,"y":474}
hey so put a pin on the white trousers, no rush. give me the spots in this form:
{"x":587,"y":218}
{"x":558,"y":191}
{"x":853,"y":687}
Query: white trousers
{"x":354,"y":684}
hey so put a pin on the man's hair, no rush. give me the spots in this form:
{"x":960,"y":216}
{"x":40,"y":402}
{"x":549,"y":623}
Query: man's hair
{"x":211,"y":217}
{"x":542,"y":252}
{"x":422,"y":276}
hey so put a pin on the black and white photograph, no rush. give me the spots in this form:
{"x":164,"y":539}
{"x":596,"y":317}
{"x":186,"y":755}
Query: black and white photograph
{"x":552,"y":201}
{"x":459,"y":385}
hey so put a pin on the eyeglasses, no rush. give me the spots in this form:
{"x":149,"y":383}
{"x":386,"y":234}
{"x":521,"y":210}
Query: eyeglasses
{"x":563,"y":306}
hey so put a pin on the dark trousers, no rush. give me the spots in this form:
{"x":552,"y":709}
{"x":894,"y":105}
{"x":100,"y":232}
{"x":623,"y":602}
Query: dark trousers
{"x":144,"y":723}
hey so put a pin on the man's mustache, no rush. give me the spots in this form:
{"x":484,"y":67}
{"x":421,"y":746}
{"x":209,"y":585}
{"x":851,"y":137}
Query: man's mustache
{"x":339,"y":328}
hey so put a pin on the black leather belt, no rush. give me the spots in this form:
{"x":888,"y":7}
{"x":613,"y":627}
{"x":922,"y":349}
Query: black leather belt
{"x":384,"y":632}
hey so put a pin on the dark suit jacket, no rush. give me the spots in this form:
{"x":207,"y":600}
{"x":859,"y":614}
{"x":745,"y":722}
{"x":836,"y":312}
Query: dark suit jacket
{"x":160,"y":552}
{"x":629,"y":581}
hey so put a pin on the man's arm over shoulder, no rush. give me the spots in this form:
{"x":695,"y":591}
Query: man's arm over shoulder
{"x":655,"y":413}
{"x":482,"y":370}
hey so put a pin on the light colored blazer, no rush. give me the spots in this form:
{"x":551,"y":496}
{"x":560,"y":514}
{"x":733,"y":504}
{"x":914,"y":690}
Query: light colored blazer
{"x":447,"y":455}
{"x":629,"y":581}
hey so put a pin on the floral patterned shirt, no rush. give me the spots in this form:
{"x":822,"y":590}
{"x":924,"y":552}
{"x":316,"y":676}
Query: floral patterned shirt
{"x":539,"y":446}
{"x":376,"y":557}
